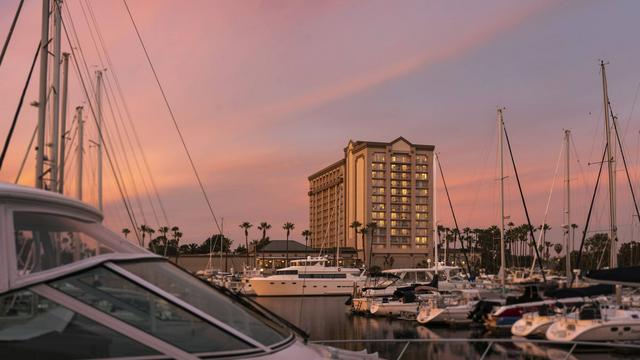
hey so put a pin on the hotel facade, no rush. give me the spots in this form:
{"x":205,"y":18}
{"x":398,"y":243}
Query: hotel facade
{"x":390,"y":184}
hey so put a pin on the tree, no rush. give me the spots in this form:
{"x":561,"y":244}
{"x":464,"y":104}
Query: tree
{"x":214,"y":243}
{"x":370,"y":229}
{"x":143,"y":231}
{"x":177,"y":235}
{"x":557,"y":248}
{"x":288,"y":226}
{"x":306,"y":234}
{"x":355,"y":226}
{"x":246,"y":226}
{"x":264,"y":226}
{"x":164,"y":230}
{"x":241,"y":250}
{"x":126,"y":232}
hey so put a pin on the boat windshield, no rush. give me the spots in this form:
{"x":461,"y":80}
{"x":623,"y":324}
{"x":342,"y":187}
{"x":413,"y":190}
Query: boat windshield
{"x":34,"y":327}
{"x":178,"y":282}
{"x":46,"y":241}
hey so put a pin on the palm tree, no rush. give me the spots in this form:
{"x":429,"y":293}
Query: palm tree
{"x":151,"y":231}
{"x":126,"y":232}
{"x":176,"y":236}
{"x":164,"y":230}
{"x":288,"y":227}
{"x":355,"y":226}
{"x":370,"y":228}
{"x":306,"y":234}
{"x":246,"y":226}
{"x":264,"y":226}
{"x":143,"y":231}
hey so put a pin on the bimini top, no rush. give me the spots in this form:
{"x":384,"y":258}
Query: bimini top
{"x":44,"y":235}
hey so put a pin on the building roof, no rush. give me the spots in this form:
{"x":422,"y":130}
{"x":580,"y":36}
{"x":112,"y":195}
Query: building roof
{"x":327,"y":169}
{"x":362,"y":144}
{"x":281,"y":246}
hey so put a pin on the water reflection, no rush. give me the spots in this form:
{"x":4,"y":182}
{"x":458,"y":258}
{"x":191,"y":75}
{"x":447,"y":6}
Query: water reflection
{"x":328,"y":318}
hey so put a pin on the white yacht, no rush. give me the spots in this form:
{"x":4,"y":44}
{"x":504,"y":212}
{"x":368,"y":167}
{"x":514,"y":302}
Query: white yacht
{"x":70,"y":289}
{"x":451,"y":309}
{"x":597,"y":322}
{"x":309,"y":277}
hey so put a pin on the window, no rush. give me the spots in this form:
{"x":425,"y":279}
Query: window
{"x":421,"y":159}
{"x":421,"y":216}
{"x":377,"y":214}
{"x":377,"y":199}
{"x":46,"y":241}
{"x":378,"y":157}
{"x":377,"y":166}
{"x":377,"y":174}
{"x":378,"y":182}
{"x":33,"y":327}
{"x":421,"y":240}
{"x":323,"y":276}
{"x":378,"y":190}
{"x":287,"y":272}
{"x":421,"y":224}
{"x":379,"y":239}
{"x":378,"y":207}
{"x":129,"y":302}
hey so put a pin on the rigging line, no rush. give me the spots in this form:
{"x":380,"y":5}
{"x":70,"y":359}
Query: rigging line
{"x":119,"y":170}
{"x":93,"y":92}
{"x":633,"y":107}
{"x":453,"y":214}
{"x":524,"y":204}
{"x":119,"y":137}
{"x":10,"y":34}
{"x":175,"y":123}
{"x":81,"y":83}
{"x":84,"y":87}
{"x":5,"y":148}
{"x":593,"y":199}
{"x":553,"y":184}
{"x":583,"y":177}
{"x":127,"y":162}
{"x":113,"y":73}
{"x":26,"y":155}
{"x":624,"y":162}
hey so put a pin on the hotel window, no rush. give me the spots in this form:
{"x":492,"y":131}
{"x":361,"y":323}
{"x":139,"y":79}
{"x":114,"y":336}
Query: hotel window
{"x":377,"y":166}
{"x":421,"y":183}
{"x":421,"y":224}
{"x":377,"y":198}
{"x":421,"y":216}
{"x":380,"y":231}
{"x":400,"y":240}
{"x":422,"y":192}
{"x":421,"y":168}
{"x":421,"y":207}
{"x":379,"y":157}
{"x":422,"y":232}
{"x":421,"y":200}
{"x":421,"y":159}
{"x":381,"y":223}
{"x":421,"y":176}
{"x":400,"y":158}
{"x":377,"y":214}
{"x":379,"y":239}
{"x":377,"y":174}
{"x":378,"y":190}
{"x":378,"y":207}
{"x":378,"y":182}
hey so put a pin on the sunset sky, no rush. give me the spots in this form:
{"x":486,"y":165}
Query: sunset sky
{"x":268,"y":92}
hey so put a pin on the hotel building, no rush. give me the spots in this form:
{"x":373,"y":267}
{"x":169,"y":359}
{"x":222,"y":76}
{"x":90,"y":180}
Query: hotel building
{"x":386,"y":183}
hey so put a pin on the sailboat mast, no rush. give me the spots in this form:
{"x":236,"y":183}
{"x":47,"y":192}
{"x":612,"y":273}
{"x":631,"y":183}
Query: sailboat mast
{"x":567,"y":205}
{"x":611,"y":153}
{"x":100,"y":134}
{"x":436,"y":236}
{"x":503,"y":270}
{"x":42,"y":99}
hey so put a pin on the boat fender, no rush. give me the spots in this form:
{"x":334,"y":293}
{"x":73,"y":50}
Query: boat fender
{"x":339,"y":269}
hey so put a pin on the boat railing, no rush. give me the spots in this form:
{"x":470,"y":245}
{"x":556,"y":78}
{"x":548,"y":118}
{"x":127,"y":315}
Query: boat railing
{"x":479,"y":348}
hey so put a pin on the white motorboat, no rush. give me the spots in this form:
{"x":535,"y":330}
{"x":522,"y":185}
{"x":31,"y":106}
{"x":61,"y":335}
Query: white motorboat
{"x":451,"y":309}
{"x":406,"y":305}
{"x":597,"y":322}
{"x":70,"y":288}
{"x":535,"y":324}
{"x":308,"y":277}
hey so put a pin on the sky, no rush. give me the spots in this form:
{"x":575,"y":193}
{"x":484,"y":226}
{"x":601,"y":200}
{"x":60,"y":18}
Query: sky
{"x":268,"y":92}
